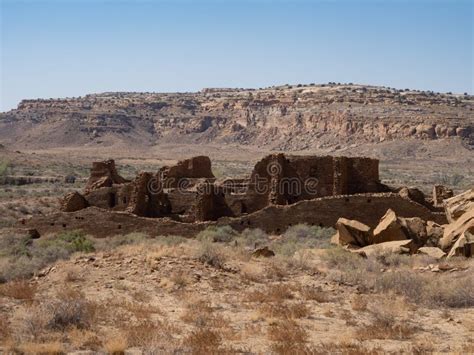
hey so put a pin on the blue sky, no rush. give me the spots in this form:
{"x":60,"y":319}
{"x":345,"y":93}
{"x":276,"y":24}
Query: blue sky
{"x":70,"y":48}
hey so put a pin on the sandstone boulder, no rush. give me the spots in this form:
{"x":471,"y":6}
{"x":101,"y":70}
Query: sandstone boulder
{"x":456,"y":206}
{"x":455,"y":230}
{"x":434,"y":232}
{"x":389,"y":229}
{"x":73,"y":202}
{"x":464,"y":246}
{"x":435,"y":253}
{"x":351,"y":232}
{"x":394,"y":247}
{"x":414,"y":228}
{"x":413,"y":194}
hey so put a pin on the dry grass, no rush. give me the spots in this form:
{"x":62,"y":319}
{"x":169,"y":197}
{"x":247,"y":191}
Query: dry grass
{"x":84,"y":339}
{"x":116,"y":345}
{"x":314,"y":294}
{"x":20,"y":290}
{"x":388,"y":320}
{"x":272,"y":293}
{"x":54,"y":348}
{"x":180,"y":279}
{"x":212,"y":255}
{"x":203,"y":341}
{"x":346,"y":348}
{"x":288,"y":311}
{"x":4,"y":327}
{"x":288,"y":337}
{"x":70,"y":308}
{"x":359,"y":303}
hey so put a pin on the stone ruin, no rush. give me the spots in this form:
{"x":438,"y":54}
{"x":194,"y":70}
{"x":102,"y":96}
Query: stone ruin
{"x":189,"y":191}
{"x":281,"y":191}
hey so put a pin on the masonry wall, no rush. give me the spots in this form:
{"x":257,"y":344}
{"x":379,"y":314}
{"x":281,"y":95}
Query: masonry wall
{"x":324,"y":212}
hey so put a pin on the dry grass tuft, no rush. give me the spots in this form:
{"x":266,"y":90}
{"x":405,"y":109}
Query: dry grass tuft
{"x":314,"y":294}
{"x":70,"y":308}
{"x":203,"y":341}
{"x":288,"y":337}
{"x":20,"y":290}
{"x":144,"y":334}
{"x":116,"y":345}
{"x":212,"y":255}
{"x":272,"y":293}
{"x":287,"y":311}
{"x":359,"y":303}
{"x":388,"y":321}
{"x":54,"y":348}
{"x":4,"y":328}
{"x":346,"y":348}
{"x":84,"y":339}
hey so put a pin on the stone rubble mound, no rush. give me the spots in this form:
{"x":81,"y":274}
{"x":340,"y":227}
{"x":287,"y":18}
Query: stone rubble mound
{"x":395,"y":234}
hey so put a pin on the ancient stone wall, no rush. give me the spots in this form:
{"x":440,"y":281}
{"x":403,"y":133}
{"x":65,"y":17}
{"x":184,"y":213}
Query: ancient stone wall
{"x":325,"y":211}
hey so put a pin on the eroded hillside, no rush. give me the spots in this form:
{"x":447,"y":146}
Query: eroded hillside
{"x":281,"y":118}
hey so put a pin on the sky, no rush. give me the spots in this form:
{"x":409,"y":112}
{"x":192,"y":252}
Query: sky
{"x":67,"y":48}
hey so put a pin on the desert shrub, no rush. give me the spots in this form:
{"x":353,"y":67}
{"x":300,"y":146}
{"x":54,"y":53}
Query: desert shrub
{"x":211,"y":255}
{"x":119,"y":240}
{"x":287,"y":334}
{"x":11,"y":245}
{"x":76,"y":241}
{"x":221,"y":234}
{"x":21,"y":290}
{"x":203,"y":341}
{"x":341,"y":259}
{"x":24,"y":256}
{"x":386,"y":322}
{"x":252,"y":237}
{"x":302,"y":236}
{"x":4,"y":328}
{"x":69,"y":308}
{"x":4,"y":167}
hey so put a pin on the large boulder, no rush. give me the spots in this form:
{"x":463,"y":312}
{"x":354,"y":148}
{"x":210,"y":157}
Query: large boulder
{"x":464,"y":246}
{"x":389,"y":229}
{"x":415,"y":228}
{"x":414,"y":194}
{"x":435,"y":253}
{"x":351,"y":232}
{"x":453,"y":231}
{"x":394,"y":247}
{"x":73,"y":202}
{"x":456,"y":206}
{"x":434,"y":233}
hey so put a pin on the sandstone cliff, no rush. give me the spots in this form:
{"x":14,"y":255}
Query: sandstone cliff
{"x":286,"y":117}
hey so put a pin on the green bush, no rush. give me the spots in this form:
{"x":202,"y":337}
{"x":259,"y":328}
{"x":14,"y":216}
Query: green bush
{"x":222,"y":234}
{"x":302,"y":236}
{"x":4,"y":168}
{"x":22,"y":256}
{"x":73,"y":241}
{"x":253,"y":238}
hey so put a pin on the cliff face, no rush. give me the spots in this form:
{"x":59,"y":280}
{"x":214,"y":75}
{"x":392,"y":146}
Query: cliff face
{"x":286,"y":118}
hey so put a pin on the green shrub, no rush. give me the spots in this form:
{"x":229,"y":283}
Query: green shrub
{"x":252,"y":238}
{"x":221,"y":234}
{"x":4,"y":168}
{"x":22,"y":256}
{"x":73,"y":241}
{"x":302,"y":236}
